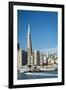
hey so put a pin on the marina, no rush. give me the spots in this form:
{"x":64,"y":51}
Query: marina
{"x":37,"y":72}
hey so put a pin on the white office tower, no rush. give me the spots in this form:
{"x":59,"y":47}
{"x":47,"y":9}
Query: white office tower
{"x":29,"y":46}
{"x":19,"y":59}
{"x":41,"y":58}
{"x":32,"y":60}
{"x":36,"y":58}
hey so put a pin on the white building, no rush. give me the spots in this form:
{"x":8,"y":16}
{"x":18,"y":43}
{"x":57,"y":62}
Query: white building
{"x":21,"y":58}
{"x":36,"y":57}
{"x":29,"y":47}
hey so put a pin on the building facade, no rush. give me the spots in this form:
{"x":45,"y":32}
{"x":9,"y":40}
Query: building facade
{"x":41,"y":58}
{"x":36,"y":57}
{"x":29,"y":47}
{"x":21,"y":58}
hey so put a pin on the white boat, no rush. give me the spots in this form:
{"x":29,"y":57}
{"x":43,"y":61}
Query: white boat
{"x":24,"y":69}
{"x":47,"y":69}
{"x":28,"y":73}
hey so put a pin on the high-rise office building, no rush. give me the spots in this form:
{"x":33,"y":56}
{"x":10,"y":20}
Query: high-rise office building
{"x":32,"y":59}
{"x":29,"y":47}
{"x":41,"y":58}
{"x":21,"y":58}
{"x":36,"y":57}
{"x":24,"y":57}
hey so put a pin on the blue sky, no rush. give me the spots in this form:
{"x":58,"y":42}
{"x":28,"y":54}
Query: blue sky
{"x":43,"y":27}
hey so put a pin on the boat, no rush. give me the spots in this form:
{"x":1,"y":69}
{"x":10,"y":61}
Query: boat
{"x":22,"y":70}
{"x":47,"y":69}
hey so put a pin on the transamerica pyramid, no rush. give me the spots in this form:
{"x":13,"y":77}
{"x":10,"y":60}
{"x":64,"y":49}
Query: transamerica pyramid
{"x":29,"y":45}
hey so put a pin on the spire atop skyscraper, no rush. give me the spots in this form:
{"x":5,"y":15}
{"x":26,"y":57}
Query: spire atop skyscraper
{"x":28,"y":28}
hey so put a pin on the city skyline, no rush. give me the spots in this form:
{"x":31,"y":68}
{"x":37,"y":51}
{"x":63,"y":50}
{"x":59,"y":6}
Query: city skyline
{"x":43,"y":33}
{"x":29,"y":59}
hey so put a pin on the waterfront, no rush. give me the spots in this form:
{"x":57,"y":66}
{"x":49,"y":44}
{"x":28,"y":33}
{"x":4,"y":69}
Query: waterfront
{"x":37,"y":75}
